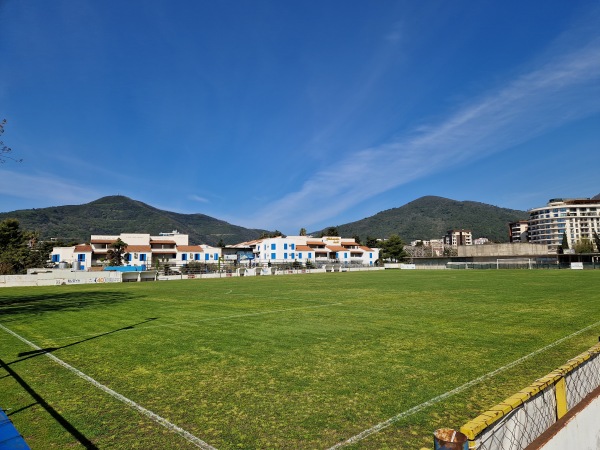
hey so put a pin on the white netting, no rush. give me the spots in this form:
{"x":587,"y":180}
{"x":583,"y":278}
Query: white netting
{"x":514,"y":263}
{"x":531,"y":417}
{"x":521,"y":426}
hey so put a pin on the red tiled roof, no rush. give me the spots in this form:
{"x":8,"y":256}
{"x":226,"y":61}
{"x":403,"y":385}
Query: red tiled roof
{"x":189,"y":248}
{"x":83,"y":248}
{"x":315,"y":243}
{"x":336,"y":248}
{"x":152,"y":241}
{"x":138,"y":248}
{"x":303,"y":248}
{"x":366,"y":249}
{"x":103,"y":241}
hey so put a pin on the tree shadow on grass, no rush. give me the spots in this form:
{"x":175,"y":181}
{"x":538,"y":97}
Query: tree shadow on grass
{"x":39,"y":400}
{"x":19,"y":306}
{"x":41,"y":351}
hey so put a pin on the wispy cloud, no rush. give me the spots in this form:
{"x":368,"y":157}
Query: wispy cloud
{"x":564,"y":88}
{"x":197,"y":198}
{"x":44,"y":188}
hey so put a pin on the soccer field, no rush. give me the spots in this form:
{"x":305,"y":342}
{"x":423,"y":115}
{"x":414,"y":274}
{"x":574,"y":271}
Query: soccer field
{"x":368,"y":360}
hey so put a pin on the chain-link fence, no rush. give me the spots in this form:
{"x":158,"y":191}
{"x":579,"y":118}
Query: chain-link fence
{"x":520,"y":419}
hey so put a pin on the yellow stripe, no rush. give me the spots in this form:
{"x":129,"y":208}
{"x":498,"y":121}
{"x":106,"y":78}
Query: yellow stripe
{"x":561,"y":398}
{"x":476,"y":426}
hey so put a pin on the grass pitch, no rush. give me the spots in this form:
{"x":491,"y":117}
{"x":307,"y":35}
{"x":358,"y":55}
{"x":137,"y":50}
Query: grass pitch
{"x":283,"y":362}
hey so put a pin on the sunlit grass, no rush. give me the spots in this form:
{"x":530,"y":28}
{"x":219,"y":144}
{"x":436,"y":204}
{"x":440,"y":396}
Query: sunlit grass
{"x":287,"y":361}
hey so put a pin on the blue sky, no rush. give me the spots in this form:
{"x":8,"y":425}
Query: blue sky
{"x":282,"y":115}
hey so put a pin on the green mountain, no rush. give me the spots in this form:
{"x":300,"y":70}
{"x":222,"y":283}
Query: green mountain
{"x":425,"y":218}
{"x":431,"y":217}
{"x":119,"y":214}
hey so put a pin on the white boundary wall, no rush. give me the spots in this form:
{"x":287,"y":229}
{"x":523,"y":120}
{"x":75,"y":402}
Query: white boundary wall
{"x":582,"y":431}
{"x":53,"y":277}
{"x":264,"y":271}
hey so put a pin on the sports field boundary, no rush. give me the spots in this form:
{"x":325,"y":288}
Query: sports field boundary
{"x":146,"y":412}
{"x":415,"y":409}
{"x":520,"y":419}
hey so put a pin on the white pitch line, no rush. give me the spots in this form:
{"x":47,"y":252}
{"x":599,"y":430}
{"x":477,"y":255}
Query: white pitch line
{"x":382,"y":425}
{"x":146,"y":412}
{"x":208,"y":319}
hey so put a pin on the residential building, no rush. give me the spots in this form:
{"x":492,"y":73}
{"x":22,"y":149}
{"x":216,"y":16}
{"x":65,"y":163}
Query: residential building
{"x":517,"y":231}
{"x":455,"y":238}
{"x":142,"y":249}
{"x":424,"y":248}
{"x":578,"y":219}
{"x":303,"y":250}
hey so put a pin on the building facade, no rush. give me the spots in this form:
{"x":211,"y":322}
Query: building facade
{"x":455,"y":238}
{"x":305,"y":250}
{"x":577,"y":219}
{"x":174,"y":249}
{"x":142,"y":250}
{"x":517,"y":231}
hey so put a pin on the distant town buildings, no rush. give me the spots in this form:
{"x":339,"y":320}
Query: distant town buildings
{"x":446,"y":246}
{"x":174,"y":249}
{"x":455,"y":238}
{"x":577,"y":219}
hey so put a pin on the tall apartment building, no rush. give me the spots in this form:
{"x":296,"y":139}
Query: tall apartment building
{"x":517,"y":231}
{"x":577,"y":218}
{"x":458,"y":237}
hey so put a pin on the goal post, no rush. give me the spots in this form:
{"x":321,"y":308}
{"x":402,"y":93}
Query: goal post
{"x":514,"y":263}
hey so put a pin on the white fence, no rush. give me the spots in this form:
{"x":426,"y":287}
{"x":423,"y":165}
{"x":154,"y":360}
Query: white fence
{"x":519,"y":420}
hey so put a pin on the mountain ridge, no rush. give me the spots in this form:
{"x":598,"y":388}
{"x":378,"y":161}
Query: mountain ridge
{"x":427,"y":217}
{"x":430,"y":217}
{"x":117,"y":214}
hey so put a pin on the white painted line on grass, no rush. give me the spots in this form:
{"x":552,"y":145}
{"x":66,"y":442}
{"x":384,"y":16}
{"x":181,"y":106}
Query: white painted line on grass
{"x":382,"y":425}
{"x":208,"y":319}
{"x":146,"y":412}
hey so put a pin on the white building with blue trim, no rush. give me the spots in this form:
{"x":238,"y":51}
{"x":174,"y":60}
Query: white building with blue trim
{"x":306,"y":250}
{"x":142,"y":250}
